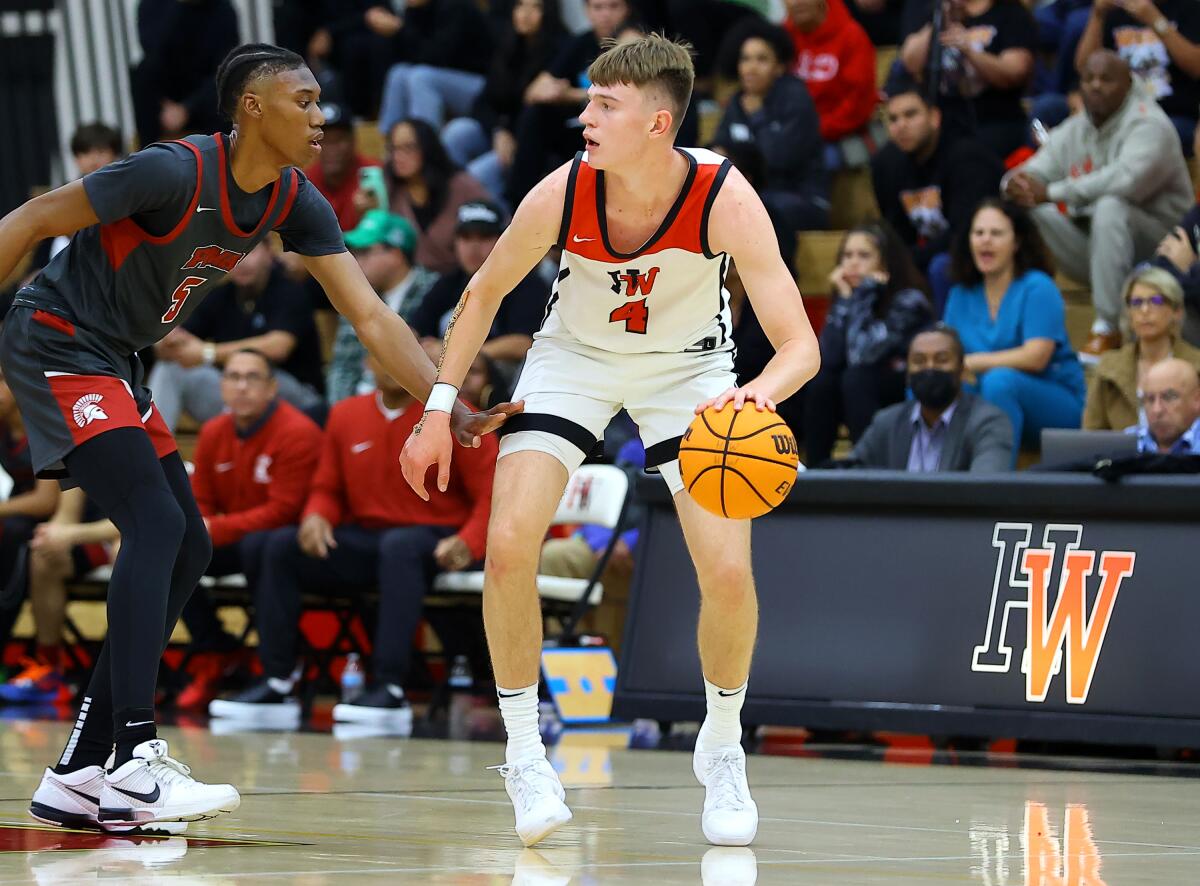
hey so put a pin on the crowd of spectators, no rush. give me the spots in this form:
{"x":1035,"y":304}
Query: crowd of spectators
{"x":1008,"y":145}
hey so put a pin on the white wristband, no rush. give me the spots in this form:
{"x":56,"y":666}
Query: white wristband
{"x":441,"y":398}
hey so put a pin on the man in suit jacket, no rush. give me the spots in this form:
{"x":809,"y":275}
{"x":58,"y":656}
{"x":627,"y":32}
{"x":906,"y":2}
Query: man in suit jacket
{"x":946,"y":428}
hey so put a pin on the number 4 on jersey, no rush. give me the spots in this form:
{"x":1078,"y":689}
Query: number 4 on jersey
{"x":635,"y":314}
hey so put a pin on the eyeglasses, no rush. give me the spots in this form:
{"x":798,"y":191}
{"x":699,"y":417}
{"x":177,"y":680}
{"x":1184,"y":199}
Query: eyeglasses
{"x":1135,"y":302}
{"x":1167,"y":397}
{"x":250,"y":378}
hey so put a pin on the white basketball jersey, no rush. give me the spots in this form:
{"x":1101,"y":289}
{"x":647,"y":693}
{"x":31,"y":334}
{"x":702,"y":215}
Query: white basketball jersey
{"x":667,"y":297}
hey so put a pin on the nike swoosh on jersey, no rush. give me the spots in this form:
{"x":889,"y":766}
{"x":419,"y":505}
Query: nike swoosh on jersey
{"x":151,"y":797}
{"x":224,"y":466}
{"x":577,"y":239}
{"x":361,"y":447}
{"x":206,"y":209}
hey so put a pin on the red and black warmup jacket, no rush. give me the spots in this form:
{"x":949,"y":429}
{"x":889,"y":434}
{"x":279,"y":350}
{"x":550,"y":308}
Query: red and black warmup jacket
{"x":255,"y":481}
{"x":359,"y":481}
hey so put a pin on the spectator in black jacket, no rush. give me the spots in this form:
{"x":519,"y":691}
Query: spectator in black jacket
{"x":878,"y":307}
{"x":773,"y":110}
{"x":1178,"y":253}
{"x":183,"y":43}
{"x":483,"y":143}
{"x":479,"y":227}
{"x":443,"y":49}
{"x":926,"y":184}
{"x":548,"y":130}
{"x":347,"y":43}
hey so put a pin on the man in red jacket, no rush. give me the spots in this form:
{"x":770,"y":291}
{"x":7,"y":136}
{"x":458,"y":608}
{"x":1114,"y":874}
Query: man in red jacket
{"x":253,"y":464}
{"x":834,"y":56}
{"x":364,"y":525}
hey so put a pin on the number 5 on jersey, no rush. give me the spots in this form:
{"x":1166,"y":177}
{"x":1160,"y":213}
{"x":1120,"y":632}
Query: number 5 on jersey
{"x":634,"y":313}
{"x":180,"y":295}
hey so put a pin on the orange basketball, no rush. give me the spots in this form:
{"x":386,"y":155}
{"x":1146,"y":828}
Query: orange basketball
{"x":738,"y":464}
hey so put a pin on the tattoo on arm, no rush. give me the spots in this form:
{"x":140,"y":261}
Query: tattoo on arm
{"x":458,"y":309}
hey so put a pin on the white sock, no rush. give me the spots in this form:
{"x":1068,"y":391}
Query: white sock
{"x":519,"y":708}
{"x":722,"y":725}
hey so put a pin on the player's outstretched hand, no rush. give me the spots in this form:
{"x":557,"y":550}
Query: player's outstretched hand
{"x":431,"y":445}
{"x":739,"y":397}
{"x":469,"y":426}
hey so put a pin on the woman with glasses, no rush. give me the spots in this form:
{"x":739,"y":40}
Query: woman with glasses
{"x":426,"y":187}
{"x":1154,"y":312}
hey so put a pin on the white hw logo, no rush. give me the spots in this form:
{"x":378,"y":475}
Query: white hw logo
{"x":1067,"y":610}
{"x":87,"y":409}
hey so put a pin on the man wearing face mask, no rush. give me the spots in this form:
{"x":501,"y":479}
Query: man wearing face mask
{"x":945,"y":428}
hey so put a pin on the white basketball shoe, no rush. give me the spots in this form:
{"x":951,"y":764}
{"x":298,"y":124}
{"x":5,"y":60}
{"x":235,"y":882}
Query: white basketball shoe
{"x":154,"y":787}
{"x":72,"y":800}
{"x":537,"y":796}
{"x":730,"y":816}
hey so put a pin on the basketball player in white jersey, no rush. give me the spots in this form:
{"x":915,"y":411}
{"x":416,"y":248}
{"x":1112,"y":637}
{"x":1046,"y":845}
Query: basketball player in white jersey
{"x":639,"y":318}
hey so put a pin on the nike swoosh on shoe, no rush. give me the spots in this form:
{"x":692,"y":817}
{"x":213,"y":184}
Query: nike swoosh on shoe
{"x":152,"y":797}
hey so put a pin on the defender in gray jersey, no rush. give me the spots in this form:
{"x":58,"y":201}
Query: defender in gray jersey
{"x":152,"y":235}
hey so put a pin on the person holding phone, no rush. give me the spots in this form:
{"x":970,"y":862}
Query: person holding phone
{"x":340,"y":170}
{"x":1179,"y":253}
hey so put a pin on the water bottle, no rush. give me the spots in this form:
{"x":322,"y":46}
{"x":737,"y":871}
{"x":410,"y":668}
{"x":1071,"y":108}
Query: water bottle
{"x":352,"y":679}
{"x":460,"y":673}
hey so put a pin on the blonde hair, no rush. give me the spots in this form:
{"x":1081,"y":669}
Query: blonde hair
{"x":1158,"y":279}
{"x":651,"y":60}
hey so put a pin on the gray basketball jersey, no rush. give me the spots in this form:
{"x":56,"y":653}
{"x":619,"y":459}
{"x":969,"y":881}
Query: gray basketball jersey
{"x":129,"y":286}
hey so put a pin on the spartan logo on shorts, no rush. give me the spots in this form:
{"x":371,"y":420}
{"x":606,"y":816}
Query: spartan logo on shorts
{"x":87,"y":409}
{"x":1056,"y":627}
{"x":214,"y":257}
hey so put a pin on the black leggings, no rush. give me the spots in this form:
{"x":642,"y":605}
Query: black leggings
{"x":165,"y":548}
{"x":852,"y":394}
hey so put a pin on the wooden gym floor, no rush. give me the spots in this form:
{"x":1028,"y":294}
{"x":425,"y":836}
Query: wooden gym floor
{"x":319,"y":808}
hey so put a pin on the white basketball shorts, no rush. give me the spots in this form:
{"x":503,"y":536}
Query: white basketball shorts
{"x":572,"y":391}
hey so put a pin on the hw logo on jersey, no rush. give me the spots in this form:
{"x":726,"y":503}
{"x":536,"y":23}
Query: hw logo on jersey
{"x":213,"y":257}
{"x":1055,"y":625}
{"x":633,"y":281}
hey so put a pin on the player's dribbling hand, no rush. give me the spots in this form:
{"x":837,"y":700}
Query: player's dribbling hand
{"x":739,"y":397}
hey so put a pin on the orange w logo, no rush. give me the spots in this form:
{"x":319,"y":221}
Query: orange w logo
{"x":635,"y":281}
{"x":1054,"y":627}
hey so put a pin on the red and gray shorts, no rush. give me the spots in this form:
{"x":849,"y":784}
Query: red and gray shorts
{"x":71,"y":386}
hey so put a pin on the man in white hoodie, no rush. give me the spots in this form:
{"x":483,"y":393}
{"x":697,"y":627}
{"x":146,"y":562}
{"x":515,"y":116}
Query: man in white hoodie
{"x":1120,"y":172}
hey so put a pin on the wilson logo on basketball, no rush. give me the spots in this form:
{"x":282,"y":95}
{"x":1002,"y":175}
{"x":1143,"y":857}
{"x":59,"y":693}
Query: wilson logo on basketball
{"x":633,"y":281}
{"x":1058,"y":626}
{"x":785,"y":444}
{"x":87,"y":409}
{"x":213,"y":257}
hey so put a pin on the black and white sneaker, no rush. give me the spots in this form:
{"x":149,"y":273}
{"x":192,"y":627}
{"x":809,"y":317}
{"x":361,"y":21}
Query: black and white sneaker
{"x":269,"y":702}
{"x":72,"y":800}
{"x":384,"y":705}
{"x":153,"y":786}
